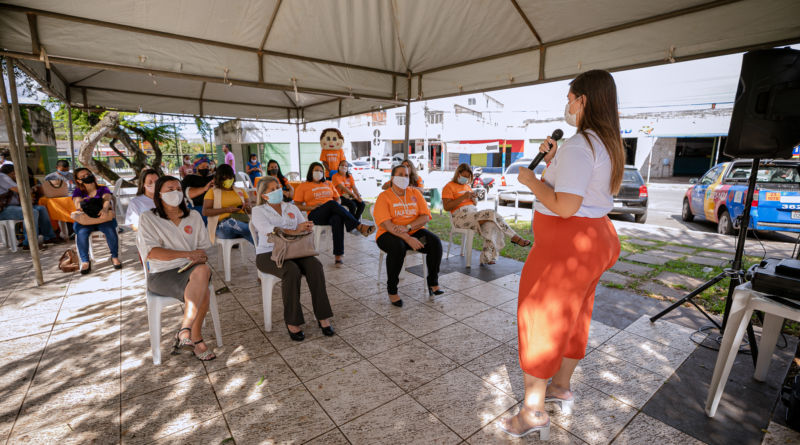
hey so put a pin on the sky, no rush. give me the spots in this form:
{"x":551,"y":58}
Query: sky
{"x":697,"y":82}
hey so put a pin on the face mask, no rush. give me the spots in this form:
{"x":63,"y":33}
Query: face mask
{"x":203,"y":172}
{"x":400,"y":181}
{"x":63,"y":173}
{"x":462,"y":180}
{"x":173,"y":198}
{"x":572,"y":119}
{"x":150,"y":188}
{"x":273,"y":172}
{"x":88,"y":180}
{"x":343,"y":169}
{"x":228,"y":183}
{"x":275,"y":196}
{"x":187,"y":161}
{"x":317,"y":175}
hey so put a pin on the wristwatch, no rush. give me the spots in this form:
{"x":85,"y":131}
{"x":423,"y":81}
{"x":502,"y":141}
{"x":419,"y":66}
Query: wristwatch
{"x":408,"y":226}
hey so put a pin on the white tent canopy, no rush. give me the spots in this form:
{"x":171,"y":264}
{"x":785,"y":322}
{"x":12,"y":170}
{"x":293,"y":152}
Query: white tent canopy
{"x":315,"y":60}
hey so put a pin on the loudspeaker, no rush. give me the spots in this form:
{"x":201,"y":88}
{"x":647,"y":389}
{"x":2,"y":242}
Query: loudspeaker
{"x":766,"y":114}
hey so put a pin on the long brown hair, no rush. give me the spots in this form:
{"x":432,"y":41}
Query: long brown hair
{"x":601,"y":114}
{"x":143,"y":177}
{"x":462,"y":168}
{"x":413,"y":177}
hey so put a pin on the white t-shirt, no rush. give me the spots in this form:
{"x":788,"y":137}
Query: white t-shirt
{"x":138,"y":205}
{"x":577,"y":170}
{"x":155,"y":231}
{"x":265,"y":219}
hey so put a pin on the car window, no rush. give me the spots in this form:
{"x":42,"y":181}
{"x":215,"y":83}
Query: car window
{"x":711,"y":175}
{"x":766,"y":174}
{"x":632,"y":177}
{"x":513,"y":169}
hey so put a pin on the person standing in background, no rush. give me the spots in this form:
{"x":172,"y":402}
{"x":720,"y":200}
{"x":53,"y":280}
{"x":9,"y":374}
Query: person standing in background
{"x":331,"y":141}
{"x":187,"y":168}
{"x":253,"y":168}
{"x":229,"y":159}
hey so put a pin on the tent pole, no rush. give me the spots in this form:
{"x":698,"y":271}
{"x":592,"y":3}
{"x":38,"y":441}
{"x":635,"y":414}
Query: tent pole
{"x":71,"y":135}
{"x":408,"y":119}
{"x":299,"y":162}
{"x":20,"y":164}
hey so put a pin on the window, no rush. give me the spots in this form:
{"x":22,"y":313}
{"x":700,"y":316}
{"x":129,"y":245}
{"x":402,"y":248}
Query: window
{"x":401,"y":119}
{"x":471,"y":101}
{"x":766,"y":173}
{"x":435,"y":117}
{"x":712,"y":175}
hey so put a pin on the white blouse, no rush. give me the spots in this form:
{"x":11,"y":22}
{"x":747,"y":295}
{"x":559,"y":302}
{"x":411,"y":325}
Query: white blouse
{"x":579,"y":171}
{"x":265,"y":219}
{"x":155,"y":231}
{"x":138,"y":205}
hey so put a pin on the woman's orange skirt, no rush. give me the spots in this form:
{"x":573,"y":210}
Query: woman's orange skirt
{"x":556,"y":291}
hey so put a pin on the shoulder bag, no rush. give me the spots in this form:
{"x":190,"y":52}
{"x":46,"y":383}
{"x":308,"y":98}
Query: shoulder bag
{"x":289,"y":247}
{"x":55,"y":189}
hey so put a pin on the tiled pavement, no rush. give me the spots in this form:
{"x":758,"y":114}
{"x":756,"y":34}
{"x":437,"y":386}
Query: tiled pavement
{"x":77,"y":368}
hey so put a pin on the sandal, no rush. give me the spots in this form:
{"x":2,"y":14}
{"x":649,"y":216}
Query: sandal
{"x":506,"y":425}
{"x":369,"y":230}
{"x":206,"y":355}
{"x":182,"y":343}
{"x":521,"y":242}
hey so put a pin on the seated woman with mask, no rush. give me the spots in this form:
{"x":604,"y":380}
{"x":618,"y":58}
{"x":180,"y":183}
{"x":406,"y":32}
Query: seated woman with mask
{"x":318,"y":197}
{"x":143,"y":200}
{"x":401,"y":214}
{"x":459,"y":200}
{"x":96,"y":202}
{"x":348,"y":192}
{"x":170,"y":237}
{"x":196,"y":185}
{"x":227,"y":208}
{"x":274,"y":169}
{"x":271,"y":213}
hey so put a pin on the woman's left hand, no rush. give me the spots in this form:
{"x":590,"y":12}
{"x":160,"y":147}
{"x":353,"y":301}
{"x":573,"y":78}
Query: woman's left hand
{"x":526,"y":176}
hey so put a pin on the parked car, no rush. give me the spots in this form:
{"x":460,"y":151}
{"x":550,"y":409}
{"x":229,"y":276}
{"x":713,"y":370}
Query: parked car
{"x":510,"y":189}
{"x":371,"y":160}
{"x":385,"y":163}
{"x":632,"y":196}
{"x":361,"y":170}
{"x":718,"y":196}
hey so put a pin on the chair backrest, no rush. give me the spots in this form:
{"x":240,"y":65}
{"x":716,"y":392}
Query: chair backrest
{"x":253,"y":232}
{"x":293,"y":176}
{"x":117,"y":187}
{"x":245,"y":179}
{"x":140,"y":250}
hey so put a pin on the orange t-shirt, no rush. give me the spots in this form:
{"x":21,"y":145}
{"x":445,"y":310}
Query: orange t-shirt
{"x":419,"y":182}
{"x":454,"y":191}
{"x":340,"y":179}
{"x":313,"y":193}
{"x":401,"y":210}
{"x":332,"y":158}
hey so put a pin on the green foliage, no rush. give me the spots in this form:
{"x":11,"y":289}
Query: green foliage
{"x":203,"y":128}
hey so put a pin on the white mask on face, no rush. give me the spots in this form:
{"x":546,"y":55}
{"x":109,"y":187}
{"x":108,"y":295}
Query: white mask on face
{"x":572,"y":119}
{"x":317,"y":175}
{"x":149,"y":187}
{"x":400,"y":181}
{"x":343,"y":169}
{"x":172,"y":198}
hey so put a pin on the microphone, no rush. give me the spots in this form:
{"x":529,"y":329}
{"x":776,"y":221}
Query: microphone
{"x":557,"y":134}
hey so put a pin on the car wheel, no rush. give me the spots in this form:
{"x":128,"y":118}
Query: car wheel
{"x":725,"y":225}
{"x":640,"y":218}
{"x":686,"y":211}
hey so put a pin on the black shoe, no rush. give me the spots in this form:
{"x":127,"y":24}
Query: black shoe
{"x":398,"y":303}
{"x":87,"y":270}
{"x":117,"y":266}
{"x":296,"y":336}
{"x":432,"y":292}
{"x":328,"y":331}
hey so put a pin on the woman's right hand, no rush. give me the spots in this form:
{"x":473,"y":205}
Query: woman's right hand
{"x":305,"y":226}
{"x":197,"y":256}
{"x":545,"y":147}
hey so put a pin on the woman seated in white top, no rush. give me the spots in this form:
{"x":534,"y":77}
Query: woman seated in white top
{"x":143,"y":200}
{"x":170,"y":238}
{"x":271,"y":213}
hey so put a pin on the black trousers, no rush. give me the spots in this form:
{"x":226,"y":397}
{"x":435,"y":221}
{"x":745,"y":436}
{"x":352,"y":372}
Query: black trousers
{"x":339,"y":218}
{"x":355,"y":207}
{"x":396,"y":248}
{"x":290,"y":275}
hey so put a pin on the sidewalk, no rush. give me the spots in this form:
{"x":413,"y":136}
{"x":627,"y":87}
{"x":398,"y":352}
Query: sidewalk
{"x":77,"y":366}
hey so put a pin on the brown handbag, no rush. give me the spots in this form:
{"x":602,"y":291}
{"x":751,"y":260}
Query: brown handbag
{"x":55,"y":189}
{"x":289,"y":247}
{"x":69,"y":261}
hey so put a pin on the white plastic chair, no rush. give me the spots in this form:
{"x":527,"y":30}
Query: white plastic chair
{"x":466,"y":240}
{"x":156,"y":303}
{"x":268,"y":282}
{"x":63,"y":230}
{"x":745,"y":301}
{"x":7,"y":229}
{"x":225,"y":247}
{"x":383,"y":255}
{"x":318,"y":232}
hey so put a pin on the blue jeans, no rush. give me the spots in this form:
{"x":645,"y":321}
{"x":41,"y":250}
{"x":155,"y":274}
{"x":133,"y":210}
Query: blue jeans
{"x":82,"y":234}
{"x":230,"y":228}
{"x":41,"y":220}
{"x":339,"y":218}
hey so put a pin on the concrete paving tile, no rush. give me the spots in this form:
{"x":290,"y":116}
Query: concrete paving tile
{"x":779,"y":434}
{"x":647,"y":258}
{"x":491,"y":294}
{"x":350,"y":313}
{"x":457,"y":305}
{"x":641,"y":242}
{"x":374,"y":336}
{"x":412,"y":364}
{"x":462,"y":401}
{"x":509,"y":282}
{"x":343,"y":274}
{"x":212,"y":431}
{"x":352,"y":391}
{"x":495,"y":323}
{"x":664,"y":332}
{"x":276,"y":417}
{"x":706,"y":261}
{"x":509,"y":307}
{"x":332,"y":437}
{"x":459,"y":281}
{"x":365,"y":286}
{"x":251,"y":380}
{"x":661,"y":291}
{"x":379,"y":303}
{"x":167,"y":411}
{"x":233,"y":321}
{"x":10,"y":402}
{"x":676,"y":279}
{"x":460,"y":342}
{"x":615,"y":278}
{"x":312,"y":359}
{"x":402,"y":420}
{"x":678,"y":249}
{"x":20,"y":358}
{"x":140,"y":376}
{"x":420,"y":320}
{"x":631,"y":268}
{"x":500,"y":367}
{"x":239,"y":347}
{"x":599,"y":333}
{"x":596,"y":418}
{"x":625,"y":381}
{"x":647,"y":354}
{"x":27,"y":325}
{"x":645,"y":429}
{"x":492,"y":434}
{"x":96,"y":425}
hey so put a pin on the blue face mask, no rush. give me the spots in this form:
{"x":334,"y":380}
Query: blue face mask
{"x":462,"y":180}
{"x":275,"y":196}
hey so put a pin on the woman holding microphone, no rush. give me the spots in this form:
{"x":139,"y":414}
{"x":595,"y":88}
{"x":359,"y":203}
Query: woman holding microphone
{"x":574,"y":243}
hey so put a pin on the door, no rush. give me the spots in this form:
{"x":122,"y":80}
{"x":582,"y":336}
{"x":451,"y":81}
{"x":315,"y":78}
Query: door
{"x":697,"y":201}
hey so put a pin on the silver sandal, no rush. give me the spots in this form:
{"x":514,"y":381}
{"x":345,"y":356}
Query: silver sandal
{"x":182,"y":344}
{"x":206,"y":355}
